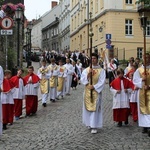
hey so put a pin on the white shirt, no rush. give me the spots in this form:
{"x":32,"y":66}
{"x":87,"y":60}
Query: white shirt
{"x":70,"y":69}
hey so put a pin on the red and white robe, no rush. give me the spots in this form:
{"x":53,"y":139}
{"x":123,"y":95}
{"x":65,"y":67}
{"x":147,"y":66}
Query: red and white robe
{"x":120,"y":100}
{"x":133,"y":104}
{"x":31,"y":93}
{"x":7,"y":101}
{"x":18,"y":95}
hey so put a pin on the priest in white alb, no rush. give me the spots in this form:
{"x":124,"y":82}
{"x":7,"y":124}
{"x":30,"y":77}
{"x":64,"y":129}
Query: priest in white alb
{"x":142,"y":82}
{"x":92,"y":105}
{"x":61,"y":79}
{"x":44,"y":75}
{"x":54,"y":70}
{"x":70,"y":71}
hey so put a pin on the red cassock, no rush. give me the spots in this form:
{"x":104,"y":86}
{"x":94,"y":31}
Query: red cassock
{"x":7,"y":107}
{"x":133,"y":106}
{"x":17,"y":101}
{"x":121,"y":114}
{"x":31,"y":100}
{"x":134,"y":110}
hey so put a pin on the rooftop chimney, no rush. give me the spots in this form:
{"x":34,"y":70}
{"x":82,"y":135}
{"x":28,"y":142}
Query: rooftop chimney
{"x":54,"y":3}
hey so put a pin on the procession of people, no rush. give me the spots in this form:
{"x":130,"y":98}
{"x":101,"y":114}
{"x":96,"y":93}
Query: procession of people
{"x":55,"y":78}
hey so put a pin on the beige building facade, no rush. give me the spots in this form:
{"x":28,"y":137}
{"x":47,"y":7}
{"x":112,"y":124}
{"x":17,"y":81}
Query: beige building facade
{"x":115,"y":20}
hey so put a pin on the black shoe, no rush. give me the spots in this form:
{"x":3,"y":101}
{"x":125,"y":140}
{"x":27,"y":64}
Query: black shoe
{"x":53,"y":100}
{"x":27,"y":116}
{"x":119,"y":124}
{"x":33,"y":114}
{"x":149,"y":132}
{"x":145,"y":130}
{"x":4,"y":127}
{"x":126,"y":122}
{"x":44,"y":104}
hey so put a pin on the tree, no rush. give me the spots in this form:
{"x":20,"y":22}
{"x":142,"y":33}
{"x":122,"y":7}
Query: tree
{"x":146,"y":3}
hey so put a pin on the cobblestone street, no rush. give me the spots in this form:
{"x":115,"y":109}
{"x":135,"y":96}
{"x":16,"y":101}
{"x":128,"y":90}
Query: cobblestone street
{"x":59,"y":127}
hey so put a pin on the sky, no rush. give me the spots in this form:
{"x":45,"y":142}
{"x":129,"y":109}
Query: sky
{"x":36,"y":8}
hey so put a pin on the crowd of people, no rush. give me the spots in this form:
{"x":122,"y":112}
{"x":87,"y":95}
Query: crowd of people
{"x":130,"y":89}
{"x":55,"y":81}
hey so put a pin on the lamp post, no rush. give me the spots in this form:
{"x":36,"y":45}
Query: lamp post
{"x":143,"y":21}
{"x":18,"y":16}
{"x":29,"y":29}
{"x":27,"y":45}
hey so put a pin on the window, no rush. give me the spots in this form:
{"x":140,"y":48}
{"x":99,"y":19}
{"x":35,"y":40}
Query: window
{"x":128,"y":27}
{"x":91,"y":7}
{"x":148,"y":28}
{"x":101,"y":4}
{"x":96,"y":6}
{"x":52,"y":32}
{"x":128,"y":1}
{"x":75,"y":22}
{"x":139,"y":52}
{"x":96,"y":32}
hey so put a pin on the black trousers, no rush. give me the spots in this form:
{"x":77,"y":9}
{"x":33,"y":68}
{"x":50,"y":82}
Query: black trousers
{"x":111,"y":77}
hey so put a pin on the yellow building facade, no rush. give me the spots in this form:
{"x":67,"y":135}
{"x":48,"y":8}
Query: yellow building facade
{"x":119,"y":19}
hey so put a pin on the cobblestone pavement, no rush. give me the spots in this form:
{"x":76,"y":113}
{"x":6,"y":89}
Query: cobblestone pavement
{"x":59,"y":127}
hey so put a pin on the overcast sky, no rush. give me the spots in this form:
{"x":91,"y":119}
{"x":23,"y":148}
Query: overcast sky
{"x":36,"y":8}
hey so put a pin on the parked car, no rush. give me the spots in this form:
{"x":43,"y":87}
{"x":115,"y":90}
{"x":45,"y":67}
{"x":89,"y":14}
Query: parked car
{"x":35,"y":56}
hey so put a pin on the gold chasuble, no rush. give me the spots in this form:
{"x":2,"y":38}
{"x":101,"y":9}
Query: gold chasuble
{"x":90,"y":104}
{"x":43,"y":81}
{"x":53,"y":79}
{"x":145,"y":103}
{"x":61,"y":79}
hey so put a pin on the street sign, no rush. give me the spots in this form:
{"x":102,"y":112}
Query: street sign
{"x":108,"y":36}
{"x":108,"y":42}
{"x":108,"y":46}
{"x":6,"y":23}
{"x":6,"y":32}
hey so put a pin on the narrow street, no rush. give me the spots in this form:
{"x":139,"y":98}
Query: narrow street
{"x":59,"y":127}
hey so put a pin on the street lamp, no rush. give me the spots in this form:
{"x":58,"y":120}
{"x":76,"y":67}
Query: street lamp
{"x":29,"y":29}
{"x":27,"y":42}
{"x":143,"y":21}
{"x":18,"y":16}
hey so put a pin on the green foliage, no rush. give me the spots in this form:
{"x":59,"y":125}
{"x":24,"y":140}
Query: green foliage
{"x":25,"y":72}
{"x":1,"y":2}
{"x":145,"y":2}
{"x":11,"y":58}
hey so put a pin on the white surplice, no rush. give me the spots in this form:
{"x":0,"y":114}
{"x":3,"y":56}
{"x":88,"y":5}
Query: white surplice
{"x":94,"y":119}
{"x":44,"y":76}
{"x":143,"y":120}
{"x":70,"y":71}
{"x":19,"y":93}
{"x":1,"y":81}
{"x":31,"y":89}
{"x":120,"y":100}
